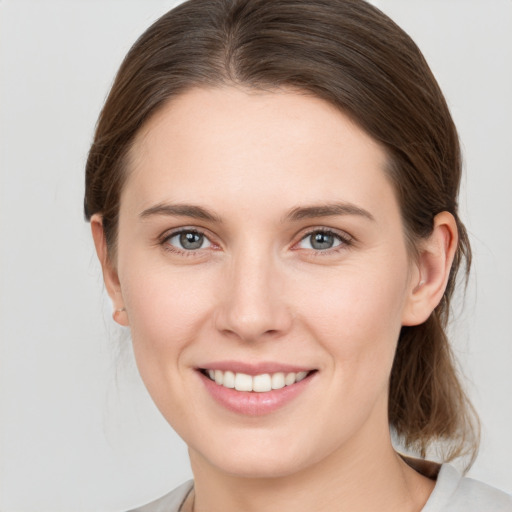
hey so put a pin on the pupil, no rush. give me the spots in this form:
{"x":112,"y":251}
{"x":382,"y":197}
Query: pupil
{"x":322,"y":241}
{"x":191,"y":240}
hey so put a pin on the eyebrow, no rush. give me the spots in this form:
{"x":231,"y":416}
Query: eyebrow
{"x":327,"y":210}
{"x":180,"y":210}
{"x":295,"y":214}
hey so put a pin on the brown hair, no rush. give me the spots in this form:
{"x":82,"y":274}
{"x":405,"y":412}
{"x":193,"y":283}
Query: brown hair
{"x":350,"y":54}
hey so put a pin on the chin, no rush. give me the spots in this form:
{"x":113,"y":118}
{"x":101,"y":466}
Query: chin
{"x":258,"y":460}
{"x":260,"y":467}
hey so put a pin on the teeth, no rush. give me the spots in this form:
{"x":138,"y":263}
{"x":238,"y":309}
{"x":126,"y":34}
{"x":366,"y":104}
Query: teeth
{"x":290,"y":379}
{"x":262,"y":383}
{"x":278,"y":381}
{"x":258,"y":383}
{"x":243,"y":382}
{"x":301,"y":376}
{"x":229,"y":380}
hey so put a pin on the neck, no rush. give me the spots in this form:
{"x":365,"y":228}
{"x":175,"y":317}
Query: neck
{"x":360,"y":477}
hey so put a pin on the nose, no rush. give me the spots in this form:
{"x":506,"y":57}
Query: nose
{"x":252,"y":305}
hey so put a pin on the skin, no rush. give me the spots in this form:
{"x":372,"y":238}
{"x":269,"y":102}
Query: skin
{"x":259,"y":291}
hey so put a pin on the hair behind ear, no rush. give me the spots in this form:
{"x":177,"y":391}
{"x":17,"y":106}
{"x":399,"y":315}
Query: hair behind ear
{"x":427,"y":403}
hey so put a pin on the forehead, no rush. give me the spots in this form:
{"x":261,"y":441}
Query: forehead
{"x":227,"y":144}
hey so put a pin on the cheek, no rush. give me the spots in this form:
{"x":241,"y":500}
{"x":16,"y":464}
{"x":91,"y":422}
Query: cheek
{"x":167,"y":309}
{"x":357,"y":315}
{"x":167,"y":312}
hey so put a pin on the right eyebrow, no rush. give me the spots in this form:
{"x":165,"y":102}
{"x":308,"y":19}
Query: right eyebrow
{"x":180,"y":210}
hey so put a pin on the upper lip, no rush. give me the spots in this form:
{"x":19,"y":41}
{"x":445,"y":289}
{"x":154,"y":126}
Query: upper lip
{"x":254,"y":368}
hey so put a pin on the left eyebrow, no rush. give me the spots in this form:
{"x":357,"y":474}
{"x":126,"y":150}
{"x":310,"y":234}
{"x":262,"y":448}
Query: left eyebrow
{"x":326,"y":210}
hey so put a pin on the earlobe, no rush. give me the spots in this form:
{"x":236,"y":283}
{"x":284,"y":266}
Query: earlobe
{"x":110,"y":276}
{"x":433,"y":267}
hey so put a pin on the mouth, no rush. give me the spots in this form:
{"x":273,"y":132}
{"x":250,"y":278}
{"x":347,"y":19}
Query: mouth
{"x":255,"y":390}
{"x":260,"y":383}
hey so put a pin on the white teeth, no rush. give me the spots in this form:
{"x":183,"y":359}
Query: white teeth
{"x":229,"y":380}
{"x":262,"y":383}
{"x":290,"y":379}
{"x":243,"y":382}
{"x":301,"y":376}
{"x":278,"y":380}
{"x":258,"y":383}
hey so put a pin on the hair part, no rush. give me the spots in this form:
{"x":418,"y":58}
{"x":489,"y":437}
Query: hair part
{"x":350,"y":54}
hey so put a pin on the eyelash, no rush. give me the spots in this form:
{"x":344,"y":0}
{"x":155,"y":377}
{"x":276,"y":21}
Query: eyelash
{"x":164,"y":242}
{"x":345,"y":241}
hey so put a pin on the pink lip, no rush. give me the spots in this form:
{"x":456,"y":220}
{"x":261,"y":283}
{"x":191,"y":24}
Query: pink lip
{"x":251,"y":403}
{"x":254,"y":368}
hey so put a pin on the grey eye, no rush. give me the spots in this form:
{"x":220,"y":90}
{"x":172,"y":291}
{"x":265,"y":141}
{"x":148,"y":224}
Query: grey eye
{"x":189,"y":240}
{"x":320,"y":241}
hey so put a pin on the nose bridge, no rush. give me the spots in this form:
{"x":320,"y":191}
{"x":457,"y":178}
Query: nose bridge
{"x":253,"y":304}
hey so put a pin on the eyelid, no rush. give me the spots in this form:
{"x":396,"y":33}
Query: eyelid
{"x":170,"y":233}
{"x":178,"y":235}
{"x":346,"y":239}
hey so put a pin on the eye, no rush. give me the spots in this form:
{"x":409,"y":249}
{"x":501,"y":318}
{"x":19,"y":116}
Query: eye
{"x":321,"y":241}
{"x":188,"y":240}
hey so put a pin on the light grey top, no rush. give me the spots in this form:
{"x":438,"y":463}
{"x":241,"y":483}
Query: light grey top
{"x":455,"y":493}
{"x":171,"y":502}
{"x":452,"y":493}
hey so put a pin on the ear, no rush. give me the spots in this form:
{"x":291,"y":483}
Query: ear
{"x":431,"y":270}
{"x":110,"y":276}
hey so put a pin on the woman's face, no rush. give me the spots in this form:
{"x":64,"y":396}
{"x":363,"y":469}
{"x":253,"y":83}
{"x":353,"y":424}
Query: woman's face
{"x":259,"y":238}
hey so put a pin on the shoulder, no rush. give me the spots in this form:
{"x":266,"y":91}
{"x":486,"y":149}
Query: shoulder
{"x":455,"y":493}
{"x":171,"y":502}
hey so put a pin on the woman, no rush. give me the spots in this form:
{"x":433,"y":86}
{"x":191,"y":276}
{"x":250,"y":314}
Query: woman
{"x":272,"y":191}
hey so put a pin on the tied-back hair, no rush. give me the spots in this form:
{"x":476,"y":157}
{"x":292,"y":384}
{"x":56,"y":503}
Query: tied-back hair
{"x":351,"y":55}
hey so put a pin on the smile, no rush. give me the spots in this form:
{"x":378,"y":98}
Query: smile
{"x":255,"y":390}
{"x":258,"y":383}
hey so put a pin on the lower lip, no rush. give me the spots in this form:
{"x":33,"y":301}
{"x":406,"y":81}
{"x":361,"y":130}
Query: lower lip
{"x":252,"y":403}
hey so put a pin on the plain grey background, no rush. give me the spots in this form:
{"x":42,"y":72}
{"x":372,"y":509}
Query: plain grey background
{"x":77,"y":429}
